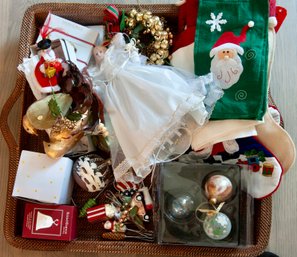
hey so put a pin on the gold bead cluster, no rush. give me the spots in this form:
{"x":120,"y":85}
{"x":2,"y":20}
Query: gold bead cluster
{"x":62,"y":129}
{"x":155,"y":27}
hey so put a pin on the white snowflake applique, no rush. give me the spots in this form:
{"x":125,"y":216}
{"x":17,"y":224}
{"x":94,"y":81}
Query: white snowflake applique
{"x":216,"y":22}
{"x":92,"y":178}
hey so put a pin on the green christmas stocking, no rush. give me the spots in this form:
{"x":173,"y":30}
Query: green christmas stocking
{"x":232,"y":42}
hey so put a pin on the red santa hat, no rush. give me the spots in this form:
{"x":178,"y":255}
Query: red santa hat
{"x":272,"y":14}
{"x":230,"y":40}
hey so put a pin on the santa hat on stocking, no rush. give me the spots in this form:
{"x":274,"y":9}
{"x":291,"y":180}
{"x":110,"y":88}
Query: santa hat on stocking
{"x":230,"y":40}
{"x":272,"y":14}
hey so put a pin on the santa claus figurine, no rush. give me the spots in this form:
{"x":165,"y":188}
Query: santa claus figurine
{"x":226,"y":64}
{"x":48,"y":69}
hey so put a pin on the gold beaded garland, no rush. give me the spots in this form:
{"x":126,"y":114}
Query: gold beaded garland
{"x":152,"y":26}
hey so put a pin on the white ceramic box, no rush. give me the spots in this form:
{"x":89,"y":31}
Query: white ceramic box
{"x":42,"y":179}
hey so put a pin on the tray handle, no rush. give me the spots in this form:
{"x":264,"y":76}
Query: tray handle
{"x":5,"y":129}
{"x":26,"y":36}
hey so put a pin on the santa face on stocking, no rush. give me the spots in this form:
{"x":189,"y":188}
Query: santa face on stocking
{"x":226,"y":64}
{"x":226,"y":67}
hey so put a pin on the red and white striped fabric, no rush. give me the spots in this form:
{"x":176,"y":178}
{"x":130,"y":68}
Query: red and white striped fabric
{"x":101,"y":212}
{"x":123,"y":186}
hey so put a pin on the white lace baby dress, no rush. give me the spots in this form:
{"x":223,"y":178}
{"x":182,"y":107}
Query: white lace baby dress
{"x":150,"y":107}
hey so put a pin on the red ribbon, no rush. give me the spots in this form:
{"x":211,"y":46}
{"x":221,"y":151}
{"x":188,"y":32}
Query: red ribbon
{"x":46,"y":29}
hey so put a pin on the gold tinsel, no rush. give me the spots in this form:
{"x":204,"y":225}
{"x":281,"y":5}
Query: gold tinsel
{"x":157,"y":50}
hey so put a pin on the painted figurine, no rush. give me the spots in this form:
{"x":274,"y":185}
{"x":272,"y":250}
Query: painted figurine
{"x":47,"y":70}
{"x":102,"y":212}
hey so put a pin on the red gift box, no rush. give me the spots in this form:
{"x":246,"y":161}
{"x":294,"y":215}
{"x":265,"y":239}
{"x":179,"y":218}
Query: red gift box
{"x":52,"y":222}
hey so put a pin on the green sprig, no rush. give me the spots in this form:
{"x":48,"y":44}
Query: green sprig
{"x":54,"y":106}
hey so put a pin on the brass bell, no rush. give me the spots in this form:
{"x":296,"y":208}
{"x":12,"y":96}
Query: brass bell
{"x":139,"y":16}
{"x":147,"y":15}
{"x":164,"y":44}
{"x":133,"y":13}
{"x":160,"y":62}
{"x":153,"y":57}
{"x":157,"y":44}
{"x":157,"y":35}
{"x":153,"y":31}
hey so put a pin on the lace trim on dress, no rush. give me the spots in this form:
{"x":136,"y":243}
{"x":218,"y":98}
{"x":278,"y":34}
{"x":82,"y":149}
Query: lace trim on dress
{"x":141,"y":164}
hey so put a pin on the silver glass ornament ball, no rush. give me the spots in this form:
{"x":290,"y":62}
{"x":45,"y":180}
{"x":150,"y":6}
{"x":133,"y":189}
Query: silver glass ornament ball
{"x":217,"y":226}
{"x":181,"y":207}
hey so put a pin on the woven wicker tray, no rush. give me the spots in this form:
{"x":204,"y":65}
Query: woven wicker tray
{"x":88,"y":236}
